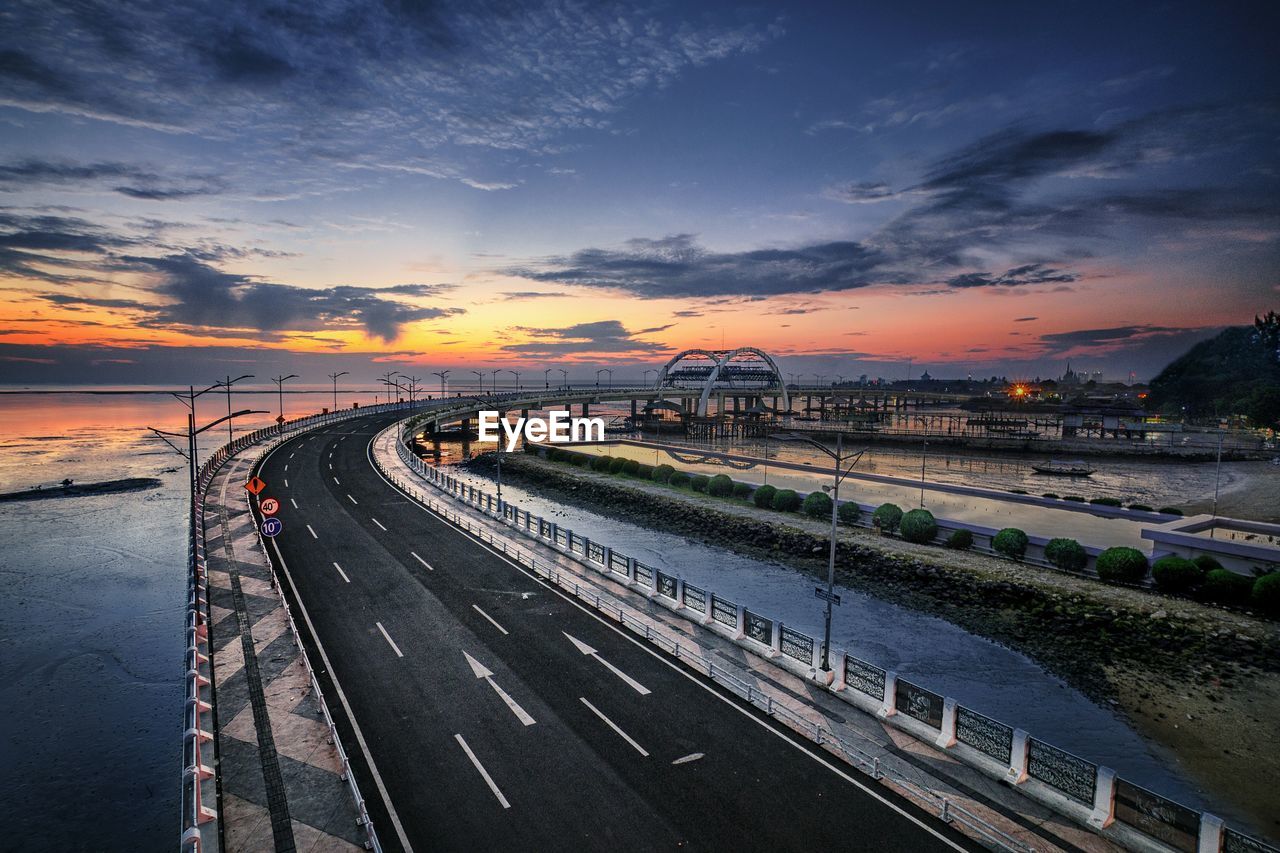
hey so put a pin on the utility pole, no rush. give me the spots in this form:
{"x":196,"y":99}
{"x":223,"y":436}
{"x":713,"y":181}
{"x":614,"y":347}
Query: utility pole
{"x":334,"y":377}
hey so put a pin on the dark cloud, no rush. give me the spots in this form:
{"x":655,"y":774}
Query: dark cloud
{"x":1016,"y":277}
{"x":1105,"y":337}
{"x":601,"y":337}
{"x":140,"y":183}
{"x":532,"y":294}
{"x":1024,"y":319}
{"x":864,"y":192}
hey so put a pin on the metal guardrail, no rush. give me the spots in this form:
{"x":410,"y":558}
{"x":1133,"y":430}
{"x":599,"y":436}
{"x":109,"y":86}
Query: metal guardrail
{"x":1211,"y":834}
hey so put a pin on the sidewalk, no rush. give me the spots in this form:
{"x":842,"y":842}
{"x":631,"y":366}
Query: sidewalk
{"x":989,"y":811}
{"x":281,"y":777}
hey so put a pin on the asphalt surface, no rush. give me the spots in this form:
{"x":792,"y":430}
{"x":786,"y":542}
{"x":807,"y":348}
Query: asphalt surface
{"x":557,"y":749}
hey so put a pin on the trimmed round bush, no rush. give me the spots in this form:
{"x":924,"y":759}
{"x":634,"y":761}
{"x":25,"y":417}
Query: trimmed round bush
{"x":1266,"y":593}
{"x":680,"y":480}
{"x":630,"y":467}
{"x":1206,"y":563}
{"x":960,"y":540}
{"x":919,"y":526}
{"x":817,"y":505}
{"x":582,"y":460}
{"x":720,"y":486}
{"x":699,"y":482}
{"x":1066,"y":554}
{"x":1073,"y":498}
{"x":601,"y":463}
{"x":786,"y":500}
{"x":1122,"y":565}
{"x":1227,"y":587}
{"x":1170,"y":510}
{"x":1176,"y":574}
{"x":742,"y":491}
{"x":1050,"y":495}
{"x":889,"y":516}
{"x":763,"y":496}
{"x":644,"y":472}
{"x":617,"y":464}
{"x":1011,"y":542}
{"x":1141,"y":507}
{"x":554,"y":454}
{"x":1106,"y":502}
{"x":848,"y":513}
{"x":662,"y":474}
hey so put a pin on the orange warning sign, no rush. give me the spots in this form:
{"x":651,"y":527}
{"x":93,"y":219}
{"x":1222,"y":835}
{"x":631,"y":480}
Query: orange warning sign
{"x":255,"y":485}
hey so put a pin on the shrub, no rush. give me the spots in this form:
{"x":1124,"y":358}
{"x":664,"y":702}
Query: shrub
{"x":919,"y":526}
{"x":601,"y":463}
{"x":1176,"y":574}
{"x":742,"y":491}
{"x":631,"y":467}
{"x":680,"y":480}
{"x":1226,"y":586}
{"x":960,"y":540}
{"x":1067,"y":554}
{"x":1206,"y":563}
{"x":1106,"y":502}
{"x":1141,"y":507}
{"x":1011,"y":542}
{"x":1266,"y":593}
{"x":786,"y":500}
{"x":817,"y":505}
{"x":1073,"y":498}
{"x":1122,"y":565}
{"x":1050,"y":495}
{"x":763,"y":496}
{"x":617,"y":464}
{"x":582,"y":460}
{"x":720,"y":486}
{"x":1170,"y":510}
{"x":662,"y":473}
{"x":1017,"y":491}
{"x":699,"y":482}
{"x":848,"y":513}
{"x":644,"y":472}
{"x":554,"y":454}
{"x":889,"y":516}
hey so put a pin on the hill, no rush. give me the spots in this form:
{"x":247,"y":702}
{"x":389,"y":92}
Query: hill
{"x":1235,"y":373}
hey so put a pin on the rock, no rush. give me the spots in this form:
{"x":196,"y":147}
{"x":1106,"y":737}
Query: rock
{"x":1159,"y":614}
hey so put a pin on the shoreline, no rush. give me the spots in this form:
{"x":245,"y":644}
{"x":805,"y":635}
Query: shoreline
{"x":80,"y":490}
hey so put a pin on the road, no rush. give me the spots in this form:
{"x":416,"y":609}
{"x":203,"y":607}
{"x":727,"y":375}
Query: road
{"x":489,"y":710}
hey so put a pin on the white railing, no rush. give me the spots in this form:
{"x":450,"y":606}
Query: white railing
{"x":1078,"y":788}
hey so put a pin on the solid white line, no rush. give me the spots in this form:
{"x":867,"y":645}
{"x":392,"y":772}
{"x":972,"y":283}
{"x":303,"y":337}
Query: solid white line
{"x":353,"y":500}
{"x":295,"y":503}
{"x":485,"y":773}
{"x":313,"y":533}
{"x":420,"y":560}
{"x":520,"y":713}
{"x":611,"y":724}
{"x":379,"y":523}
{"x":785,"y":735}
{"x":490,"y":618}
{"x":392,"y":642}
{"x":341,"y":572}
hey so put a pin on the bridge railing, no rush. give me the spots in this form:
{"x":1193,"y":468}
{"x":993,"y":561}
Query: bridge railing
{"x":1084,"y":791}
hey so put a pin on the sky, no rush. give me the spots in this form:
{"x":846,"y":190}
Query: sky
{"x":857,"y":188}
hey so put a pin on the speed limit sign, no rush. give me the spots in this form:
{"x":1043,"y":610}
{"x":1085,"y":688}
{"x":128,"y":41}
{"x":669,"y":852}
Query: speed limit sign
{"x":270,"y":506}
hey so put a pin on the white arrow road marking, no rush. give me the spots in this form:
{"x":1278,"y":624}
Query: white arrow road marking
{"x":312,"y":532}
{"x":482,"y":671}
{"x":390,"y":641}
{"x":693,"y":756}
{"x":379,"y":523}
{"x":341,"y":572}
{"x":490,"y":618}
{"x":587,"y":650}
{"x":611,"y":724}
{"x":485,"y":773}
{"x":420,"y":560}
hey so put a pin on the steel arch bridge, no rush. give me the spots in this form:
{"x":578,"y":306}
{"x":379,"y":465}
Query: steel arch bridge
{"x":745,"y":370}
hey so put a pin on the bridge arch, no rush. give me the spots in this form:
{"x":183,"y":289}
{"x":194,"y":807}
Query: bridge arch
{"x":723,"y":363}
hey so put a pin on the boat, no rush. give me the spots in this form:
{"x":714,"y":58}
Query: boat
{"x":1063,"y":469}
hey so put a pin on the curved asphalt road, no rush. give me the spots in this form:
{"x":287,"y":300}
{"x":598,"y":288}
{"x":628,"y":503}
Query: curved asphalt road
{"x":555,"y":750}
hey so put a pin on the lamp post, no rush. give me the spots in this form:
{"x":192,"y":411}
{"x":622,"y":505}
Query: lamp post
{"x":227,"y":385}
{"x":924,"y":454}
{"x":565,"y":376}
{"x":840,"y":473}
{"x":413,"y":388}
{"x":334,"y":377}
{"x":607,"y":370}
{"x":495,"y":381}
{"x":280,"y":380}
{"x":444,"y":379}
{"x":480,"y":376}
{"x":546,"y":379}
{"x":516,"y":374}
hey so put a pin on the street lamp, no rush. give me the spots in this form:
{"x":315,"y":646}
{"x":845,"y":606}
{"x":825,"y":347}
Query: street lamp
{"x":924,"y":454}
{"x":604,"y":370}
{"x":495,"y":381}
{"x":334,"y":377}
{"x":546,"y":379}
{"x":516,"y":374}
{"x":413,"y":387}
{"x":280,"y":380}
{"x":840,"y":473}
{"x":565,"y":374}
{"x":227,"y":385}
{"x":480,"y":375}
{"x":444,"y":378}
